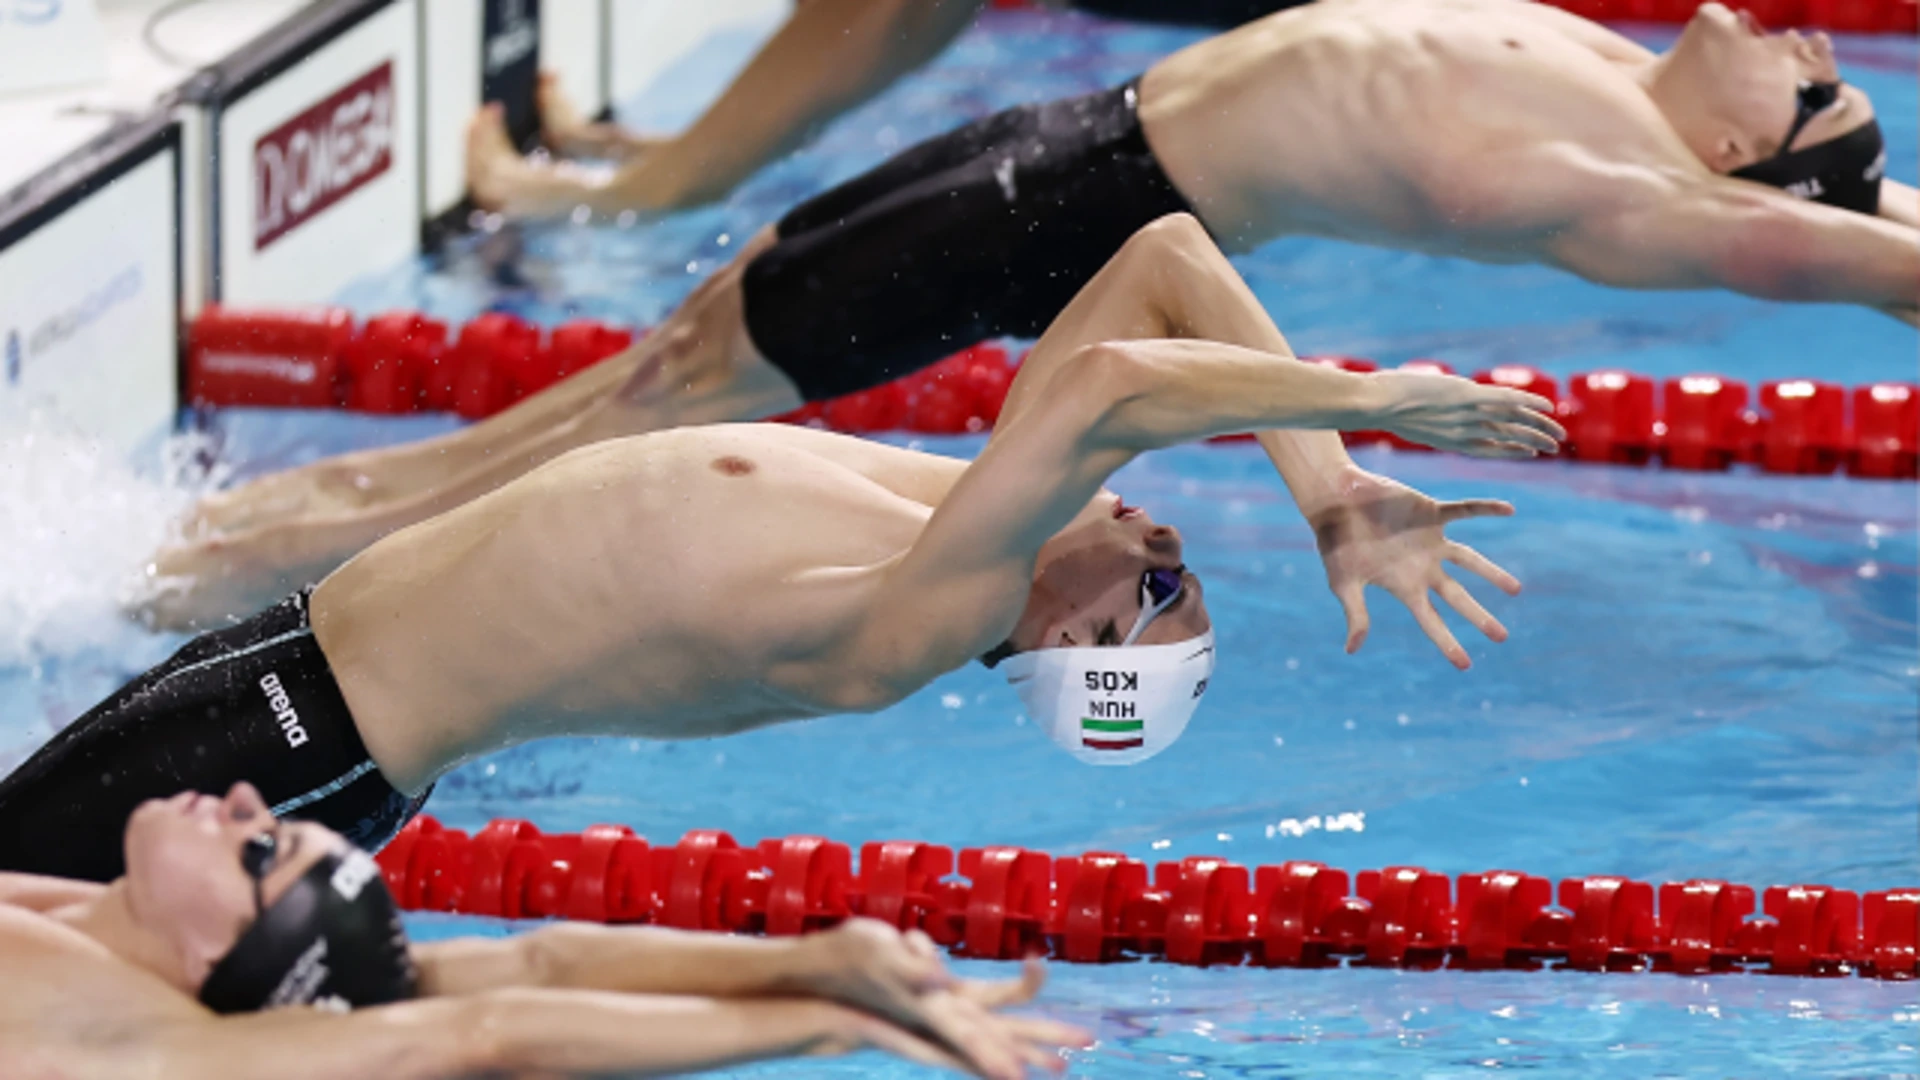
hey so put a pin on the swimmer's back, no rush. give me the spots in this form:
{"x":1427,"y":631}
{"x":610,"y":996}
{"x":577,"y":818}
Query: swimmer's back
{"x":656,"y":585}
{"x":1396,"y":121}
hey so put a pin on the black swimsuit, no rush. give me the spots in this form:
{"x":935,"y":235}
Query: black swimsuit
{"x":1219,"y":14}
{"x":256,"y":702}
{"x":985,"y":231}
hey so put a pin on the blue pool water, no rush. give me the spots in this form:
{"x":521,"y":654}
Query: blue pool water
{"x":1711,"y":676}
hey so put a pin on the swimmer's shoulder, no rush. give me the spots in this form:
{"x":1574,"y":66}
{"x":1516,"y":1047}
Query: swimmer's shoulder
{"x":36,"y":892}
{"x":70,"y":1008}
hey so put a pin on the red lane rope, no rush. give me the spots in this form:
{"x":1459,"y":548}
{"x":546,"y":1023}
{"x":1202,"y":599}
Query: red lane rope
{"x":1009,"y":902}
{"x":404,"y":362}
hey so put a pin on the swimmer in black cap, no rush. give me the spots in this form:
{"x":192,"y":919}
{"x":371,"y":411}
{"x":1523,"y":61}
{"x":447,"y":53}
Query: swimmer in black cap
{"x":1489,"y":129}
{"x":225,"y":913}
{"x":707,"y":580}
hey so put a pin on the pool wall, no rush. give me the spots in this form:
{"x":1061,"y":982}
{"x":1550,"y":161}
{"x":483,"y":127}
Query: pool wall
{"x":326,"y":147}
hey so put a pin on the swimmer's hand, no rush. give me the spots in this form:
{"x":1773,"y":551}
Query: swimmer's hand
{"x":1450,"y":413}
{"x":1384,"y":533}
{"x":941,"y":1019}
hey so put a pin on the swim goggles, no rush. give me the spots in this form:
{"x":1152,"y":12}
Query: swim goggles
{"x":1160,"y":589}
{"x":1810,"y":100}
{"x":258,"y":856}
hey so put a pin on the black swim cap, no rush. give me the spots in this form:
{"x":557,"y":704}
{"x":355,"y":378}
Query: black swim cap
{"x":334,"y":940}
{"x":1844,"y":171}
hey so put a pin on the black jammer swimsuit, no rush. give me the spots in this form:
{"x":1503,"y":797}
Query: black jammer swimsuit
{"x":255,"y":702}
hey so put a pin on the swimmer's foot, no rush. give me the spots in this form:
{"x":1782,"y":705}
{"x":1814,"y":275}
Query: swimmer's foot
{"x":204,"y":581}
{"x":334,"y":486}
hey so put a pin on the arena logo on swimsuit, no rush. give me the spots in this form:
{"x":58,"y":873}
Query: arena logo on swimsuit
{"x":282,"y":707}
{"x":322,"y":155}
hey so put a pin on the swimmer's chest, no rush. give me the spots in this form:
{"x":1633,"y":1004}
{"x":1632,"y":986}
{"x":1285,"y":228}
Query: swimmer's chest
{"x":66,"y":990}
{"x":769,"y":512}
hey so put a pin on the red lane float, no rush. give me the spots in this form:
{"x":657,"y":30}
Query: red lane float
{"x":405,"y":362}
{"x":1009,"y":902}
{"x":291,"y":359}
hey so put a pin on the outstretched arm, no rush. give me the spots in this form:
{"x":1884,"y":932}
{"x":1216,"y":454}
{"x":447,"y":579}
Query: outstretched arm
{"x":830,"y":57}
{"x":1102,"y":387}
{"x":1900,"y":203}
{"x":1663,"y":232}
{"x":862,"y":964}
{"x":506,"y":1033}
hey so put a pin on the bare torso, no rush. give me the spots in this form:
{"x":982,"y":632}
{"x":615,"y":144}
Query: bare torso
{"x":688,"y":582}
{"x":67,"y":1004}
{"x":1436,"y":125}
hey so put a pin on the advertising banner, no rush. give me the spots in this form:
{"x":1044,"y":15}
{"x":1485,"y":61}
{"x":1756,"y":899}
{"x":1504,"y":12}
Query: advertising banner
{"x":89,"y":292}
{"x":317,"y":149}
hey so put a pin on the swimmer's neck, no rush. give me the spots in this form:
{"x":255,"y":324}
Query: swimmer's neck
{"x":108,"y":919}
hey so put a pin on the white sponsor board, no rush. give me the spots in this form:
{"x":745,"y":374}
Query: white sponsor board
{"x":450,"y":94}
{"x":50,"y":43}
{"x":572,"y":34}
{"x":488,"y":50}
{"x":319,"y":178}
{"x":88,"y":309}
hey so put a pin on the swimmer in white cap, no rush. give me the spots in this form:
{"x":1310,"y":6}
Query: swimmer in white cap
{"x":1487,"y":129}
{"x":240,"y":947}
{"x":708,"y":580}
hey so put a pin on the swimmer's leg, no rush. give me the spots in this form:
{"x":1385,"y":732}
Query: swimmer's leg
{"x":988,"y":230}
{"x":242,"y":548}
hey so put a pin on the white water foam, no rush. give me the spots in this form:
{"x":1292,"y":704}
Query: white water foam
{"x":78,"y":524}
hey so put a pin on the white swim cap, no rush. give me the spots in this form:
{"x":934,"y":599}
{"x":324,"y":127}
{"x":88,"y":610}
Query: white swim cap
{"x":1113,"y":705}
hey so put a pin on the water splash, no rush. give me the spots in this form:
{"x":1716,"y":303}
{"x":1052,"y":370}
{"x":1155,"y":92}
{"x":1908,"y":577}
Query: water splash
{"x":80,"y":523}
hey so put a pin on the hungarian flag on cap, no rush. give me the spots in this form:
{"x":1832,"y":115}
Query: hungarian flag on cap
{"x":1112,"y":734}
